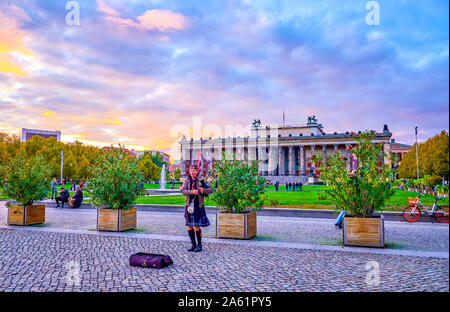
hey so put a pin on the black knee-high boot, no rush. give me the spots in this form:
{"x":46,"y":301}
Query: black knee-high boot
{"x":192,"y":237}
{"x":199,"y":240}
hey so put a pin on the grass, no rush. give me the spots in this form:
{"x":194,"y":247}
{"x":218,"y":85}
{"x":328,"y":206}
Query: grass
{"x":396,"y":245}
{"x":329,"y":241}
{"x":309,"y":198}
{"x":45,"y":224}
{"x":156,"y":185}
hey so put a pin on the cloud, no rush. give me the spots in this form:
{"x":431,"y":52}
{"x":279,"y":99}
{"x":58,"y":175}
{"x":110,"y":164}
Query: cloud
{"x":160,"y":20}
{"x":117,"y":77}
{"x":11,"y":39}
{"x":104,"y":8}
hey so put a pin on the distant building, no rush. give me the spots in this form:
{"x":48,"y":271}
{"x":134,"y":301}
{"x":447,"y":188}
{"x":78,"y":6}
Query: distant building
{"x":165,"y":157}
{"x":398,"y":149}
{"x":27,"y":134}
{"x":172,"y":168}
{"x":285,"y":152}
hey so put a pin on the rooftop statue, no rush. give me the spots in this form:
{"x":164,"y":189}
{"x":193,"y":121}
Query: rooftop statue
{"x":312,"y":120}
{"x":256,"y":123}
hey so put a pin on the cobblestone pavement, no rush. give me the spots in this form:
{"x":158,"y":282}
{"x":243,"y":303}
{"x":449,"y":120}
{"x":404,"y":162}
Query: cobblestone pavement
{"x":399,"y":235}
{"x":36,"y":260}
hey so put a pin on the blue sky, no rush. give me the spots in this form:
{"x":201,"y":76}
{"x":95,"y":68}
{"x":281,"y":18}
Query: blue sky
{"x":134,"y":70}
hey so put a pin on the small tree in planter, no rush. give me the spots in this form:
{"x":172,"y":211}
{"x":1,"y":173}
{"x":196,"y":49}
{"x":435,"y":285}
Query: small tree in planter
{"x":360,"y":193}
{"x":27,"y":181}
{"x":239,"y":193}
{"x":114,"y":187}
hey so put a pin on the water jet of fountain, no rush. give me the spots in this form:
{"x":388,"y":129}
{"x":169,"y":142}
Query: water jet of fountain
{"x":162,"y":179}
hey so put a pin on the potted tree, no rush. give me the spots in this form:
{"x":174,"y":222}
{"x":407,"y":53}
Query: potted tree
{"x":27,"y":181}
{"x":114,"y":187}
{"x":361,"y":192}
{"x":239,"y":193}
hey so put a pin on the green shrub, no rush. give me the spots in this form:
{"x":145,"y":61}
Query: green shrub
{"x":398,"y":182}
{"x":443,"y":189}
{"x":433,"y":181}
{"x":365,"y":190}
{"x":273,"y":202}
{"x":27,"y":179}
{"x":116,"y":181}
{"x":239,"y":186}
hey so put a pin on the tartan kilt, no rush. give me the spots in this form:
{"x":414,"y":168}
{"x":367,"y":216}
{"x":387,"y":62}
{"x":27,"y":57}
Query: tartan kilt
{"x":198,"y":218}
{"x":191,"y":221}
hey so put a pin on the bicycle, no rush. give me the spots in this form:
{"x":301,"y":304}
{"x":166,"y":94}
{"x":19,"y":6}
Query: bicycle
{"x":413,"y":212}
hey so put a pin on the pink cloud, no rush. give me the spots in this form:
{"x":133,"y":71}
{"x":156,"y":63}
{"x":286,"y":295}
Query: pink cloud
{"x":162,"y":20}
{"x":102,"y":7}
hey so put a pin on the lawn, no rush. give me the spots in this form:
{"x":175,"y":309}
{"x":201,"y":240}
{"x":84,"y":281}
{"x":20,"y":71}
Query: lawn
{"x":156,"y":185}
{"x":309,"y":198}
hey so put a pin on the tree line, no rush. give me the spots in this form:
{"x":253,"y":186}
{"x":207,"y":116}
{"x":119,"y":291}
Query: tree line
{"x":79,"y":159}
{"x":433,"y":159}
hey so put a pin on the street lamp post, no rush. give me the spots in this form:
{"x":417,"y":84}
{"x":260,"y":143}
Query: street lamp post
{"x":417,"y":155}
{"x":62,"y":162}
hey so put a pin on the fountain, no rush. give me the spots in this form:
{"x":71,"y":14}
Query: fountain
{"x":162,"y":179}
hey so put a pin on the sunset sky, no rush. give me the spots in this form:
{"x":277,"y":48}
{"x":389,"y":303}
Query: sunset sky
{"x":134,"y":72}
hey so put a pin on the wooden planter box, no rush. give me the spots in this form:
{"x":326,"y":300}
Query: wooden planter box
{"x":236,"y":225}
{"x":116,"y":220}
{"x":26,"y":215}
{"x":364,"y":232}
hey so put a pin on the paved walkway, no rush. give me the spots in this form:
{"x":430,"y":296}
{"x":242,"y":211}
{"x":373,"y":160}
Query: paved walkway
{"x":399,"y":235}
{"x":289,"y":254}
{"x":35,"y":260}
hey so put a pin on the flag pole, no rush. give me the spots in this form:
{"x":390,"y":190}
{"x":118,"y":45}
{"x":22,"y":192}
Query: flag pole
{"x":417,"y":155}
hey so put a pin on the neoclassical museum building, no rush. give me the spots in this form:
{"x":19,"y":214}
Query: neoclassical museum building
{"x":284,"y":151}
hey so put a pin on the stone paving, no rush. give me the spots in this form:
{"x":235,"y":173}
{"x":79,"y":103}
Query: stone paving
{"x":32,"y":259}
{"x":67,"y":254}
{"x":399,"y":235}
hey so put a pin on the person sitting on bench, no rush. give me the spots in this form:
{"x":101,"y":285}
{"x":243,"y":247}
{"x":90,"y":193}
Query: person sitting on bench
{"x":75,"y":200}
{"x":63,"y":197}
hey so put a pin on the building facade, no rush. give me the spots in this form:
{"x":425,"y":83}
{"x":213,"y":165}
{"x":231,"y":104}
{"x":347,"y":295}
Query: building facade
{"x":397,"y":149}
{"x":285,"y":152}
{"x":27,"y":134}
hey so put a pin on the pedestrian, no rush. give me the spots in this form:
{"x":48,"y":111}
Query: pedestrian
{"x":300,"y":185}
{"x":63,"y":197}
{"x":195,"y":190}
{"x":277,"y":184}
{"x":54,"y":188}
{"x":76,"y":200}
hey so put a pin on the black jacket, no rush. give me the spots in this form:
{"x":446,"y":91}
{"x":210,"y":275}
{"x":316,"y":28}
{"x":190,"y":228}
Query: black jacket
{"x":64,"y":194}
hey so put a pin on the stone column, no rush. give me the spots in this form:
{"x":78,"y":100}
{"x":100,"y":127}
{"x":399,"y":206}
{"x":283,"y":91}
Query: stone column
{"x":280,"y":161}
{"x":291,"y":160}
{"x":251,"y":150}
{"x":324,"y":151}
{"x":273,"y":160}
{"x":335,"y":147}
{"x":313,"y":164}
{"x":349,"y":156}
{"x":302,"y":160}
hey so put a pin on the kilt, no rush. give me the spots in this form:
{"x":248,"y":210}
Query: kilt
{"x":198,"y":217}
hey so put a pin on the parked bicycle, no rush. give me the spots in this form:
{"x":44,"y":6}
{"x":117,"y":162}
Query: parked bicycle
{"x":413,"y":212}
